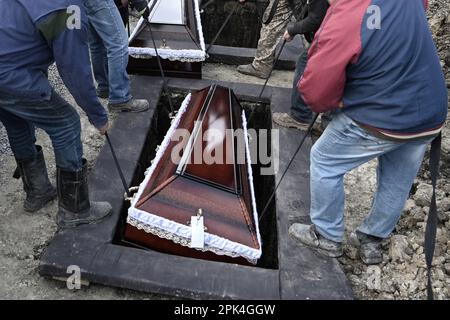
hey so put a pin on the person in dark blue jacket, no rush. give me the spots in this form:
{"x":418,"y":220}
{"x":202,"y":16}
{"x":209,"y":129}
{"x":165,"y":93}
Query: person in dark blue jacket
{"x":376,"y":63}
{"x":34,"y":35}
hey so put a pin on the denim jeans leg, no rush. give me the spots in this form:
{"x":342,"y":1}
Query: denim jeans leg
{"x":21,"y":135}
{"x":105,"y":18}
{"x":299,"y":110}
{"x":56,"y":117}
{"x":99,"y":59}
{"x":342,"y":147}
{"x":395,"y":175}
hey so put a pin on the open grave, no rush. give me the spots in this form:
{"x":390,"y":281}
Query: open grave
{"x":286,"y":270}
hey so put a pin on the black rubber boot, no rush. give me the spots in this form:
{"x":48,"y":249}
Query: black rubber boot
{"x":35,"y":180}
{"x":74,"y":205}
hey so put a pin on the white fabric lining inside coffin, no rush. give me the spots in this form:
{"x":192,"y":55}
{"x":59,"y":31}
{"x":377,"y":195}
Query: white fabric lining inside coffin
{"x":179,"y":233}
{"x":185,"y":55}
{"x":170,"y":13}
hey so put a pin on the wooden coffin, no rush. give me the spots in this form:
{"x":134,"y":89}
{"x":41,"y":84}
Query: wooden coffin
{"x":177,"y":31}
{"x":176,"y":189}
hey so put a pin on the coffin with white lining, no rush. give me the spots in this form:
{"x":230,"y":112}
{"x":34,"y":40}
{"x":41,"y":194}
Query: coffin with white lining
{"x":180,"y":188}
{"x":177,"y":32}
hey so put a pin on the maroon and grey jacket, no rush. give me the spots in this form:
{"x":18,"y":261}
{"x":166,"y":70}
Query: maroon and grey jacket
{"x":378,"y":58}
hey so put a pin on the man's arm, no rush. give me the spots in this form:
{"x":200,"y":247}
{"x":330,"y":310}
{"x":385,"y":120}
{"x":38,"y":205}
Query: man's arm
{"x":317,"y":11}
{"x":336,"y":45}
{"x":70,"y":50}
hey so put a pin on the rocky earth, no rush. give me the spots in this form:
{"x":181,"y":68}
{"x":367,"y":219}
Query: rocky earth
{"x":402,"y":275}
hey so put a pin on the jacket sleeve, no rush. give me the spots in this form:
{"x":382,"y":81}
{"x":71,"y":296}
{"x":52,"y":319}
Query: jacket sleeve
{"x":316,"y":13}
{"x":71,"y":53}
{"x":336,"y":45}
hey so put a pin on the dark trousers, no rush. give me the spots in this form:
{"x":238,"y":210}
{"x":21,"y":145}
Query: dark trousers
{"x":299,"y":110}
{"x":56,"y":117}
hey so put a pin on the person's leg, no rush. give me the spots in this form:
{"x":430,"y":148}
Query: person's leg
{"x":107,"y":22}
{"x":343,"y":146}
{"x":21,"y":135}
{"x":395,"y":175}
{"x":99,"y":62}
{"x":299,"y":110}
{"x":62,"y":123}
{"x":300,"y":114}
{"x":270,"y":34}
{"x":56,"y":117}
{"x":17,"y":114}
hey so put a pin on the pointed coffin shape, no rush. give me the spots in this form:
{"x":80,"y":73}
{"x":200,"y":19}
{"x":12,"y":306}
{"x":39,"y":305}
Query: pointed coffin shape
{"x":174,"y":191}
{"x":177,"y":30}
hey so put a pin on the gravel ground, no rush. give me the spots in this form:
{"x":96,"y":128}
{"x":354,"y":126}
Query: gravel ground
{"x":401,"y":275}
{"x":4,"y":145}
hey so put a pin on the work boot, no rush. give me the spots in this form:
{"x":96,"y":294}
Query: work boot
{"x":308,"y":236}
{"x":102,"y":93}
{"x":35,"y":180}
{"x":74,"y":205}
{"x":134,"y":105}
{"x":369,"y":247}
{"x":287,"y":121}
{"x":250,"y":70}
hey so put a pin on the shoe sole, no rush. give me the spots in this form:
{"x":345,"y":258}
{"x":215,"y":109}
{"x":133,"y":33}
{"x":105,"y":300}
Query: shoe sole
{"x":71,"y":225}
{"x":327,"y":253}
{"x":252,"y":74}
{"x":290,"y":126}
{"x":131,"y":110}
{"x":330,"y":254}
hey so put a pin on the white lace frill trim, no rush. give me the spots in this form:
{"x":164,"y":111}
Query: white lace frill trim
{"x":179,"y":233}
{"x":185,"y":55}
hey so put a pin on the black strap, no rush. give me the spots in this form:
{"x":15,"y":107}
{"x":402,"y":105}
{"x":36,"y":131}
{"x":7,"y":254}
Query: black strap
{"x":430,"y":231}
{"x":16,"y":174}
{"x":273,"y":10}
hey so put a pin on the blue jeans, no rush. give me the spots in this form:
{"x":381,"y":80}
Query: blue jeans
{"x":108,"y":43}
{"x":344,"y":146}
{"x":56,"y":117}
{"x":299,"y":110}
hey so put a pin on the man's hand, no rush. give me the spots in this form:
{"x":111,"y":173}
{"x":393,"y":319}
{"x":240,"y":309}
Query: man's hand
{"x":287,"y":36}
{"x":103,"y":129}
{"x":242,"y":1}
{"x":124,"y":3}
